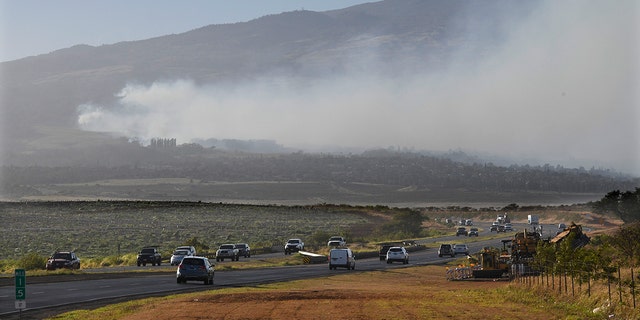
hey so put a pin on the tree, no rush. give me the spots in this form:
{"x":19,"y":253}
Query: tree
{"x":627,"y":241}
{"x":406,"y":223}
{"x":626,"y":204}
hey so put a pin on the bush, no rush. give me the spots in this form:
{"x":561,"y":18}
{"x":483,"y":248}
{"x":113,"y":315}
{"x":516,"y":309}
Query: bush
{"x":32,"y":261}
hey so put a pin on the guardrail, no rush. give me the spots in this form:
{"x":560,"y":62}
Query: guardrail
{"x":310,"y":257}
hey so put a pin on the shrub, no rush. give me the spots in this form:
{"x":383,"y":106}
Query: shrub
{"x":32,"y":261}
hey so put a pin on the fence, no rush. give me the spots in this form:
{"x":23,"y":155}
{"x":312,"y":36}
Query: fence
{"x":618,"y":282}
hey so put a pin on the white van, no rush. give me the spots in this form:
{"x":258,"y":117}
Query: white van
{"x":341,"y":258}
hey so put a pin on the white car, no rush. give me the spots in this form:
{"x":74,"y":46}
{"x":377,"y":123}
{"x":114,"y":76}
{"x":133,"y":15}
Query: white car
{"x":178,"y":255}
{"x":293,"y":245}
{"x":336,"y":241}
{"x":397,"y":254}
{"x":191,"y":249}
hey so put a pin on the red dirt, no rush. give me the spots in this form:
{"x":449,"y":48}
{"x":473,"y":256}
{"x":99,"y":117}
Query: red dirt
{"x":409,"y":293}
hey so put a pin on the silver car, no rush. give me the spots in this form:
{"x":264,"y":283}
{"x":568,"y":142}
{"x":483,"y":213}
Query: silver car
{"x":178,"y":255}
{"x":460,"y":249}
{"x":397,"y":254}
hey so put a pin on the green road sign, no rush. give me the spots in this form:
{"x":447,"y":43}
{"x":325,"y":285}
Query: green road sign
{"x":21,"y":283}
{"x":21,"y":293}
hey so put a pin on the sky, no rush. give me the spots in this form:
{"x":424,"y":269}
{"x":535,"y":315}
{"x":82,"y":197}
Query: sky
{"x":33,"y":27}
{"x":562,"y":89}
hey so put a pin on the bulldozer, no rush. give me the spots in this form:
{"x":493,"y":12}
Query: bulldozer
{"x":523,"y":246}
{"x":492,"y":262}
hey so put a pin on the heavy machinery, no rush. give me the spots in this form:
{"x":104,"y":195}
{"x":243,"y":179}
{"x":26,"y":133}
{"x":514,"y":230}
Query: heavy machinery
{"x":523,"y":246}
{"x":492,"y":262}
{"x":573,"y":232}
{"x":495,"y":263}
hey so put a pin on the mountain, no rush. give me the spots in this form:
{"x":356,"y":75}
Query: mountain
{"x":41,"y":94}
{"x":44,"y":146}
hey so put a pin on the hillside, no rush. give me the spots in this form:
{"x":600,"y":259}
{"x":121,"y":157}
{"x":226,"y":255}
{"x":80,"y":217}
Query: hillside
{"x":187,"y":173}
{"x":79,"y":122}
{"x":42,"y":94}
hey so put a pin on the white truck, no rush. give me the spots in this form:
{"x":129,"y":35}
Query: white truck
{"x":532,"y":219}
{"x":342,"y":258}
{"x":293,"y":245}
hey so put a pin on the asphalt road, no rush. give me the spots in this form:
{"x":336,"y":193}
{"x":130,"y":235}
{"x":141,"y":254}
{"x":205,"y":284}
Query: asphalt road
{"x":57,"y":294}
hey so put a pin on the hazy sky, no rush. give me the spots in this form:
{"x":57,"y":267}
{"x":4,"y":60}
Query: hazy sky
{"x":32,"y":27}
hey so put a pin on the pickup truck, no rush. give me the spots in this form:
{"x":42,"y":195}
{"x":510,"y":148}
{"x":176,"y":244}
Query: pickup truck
{"x":293,"y":245}
{"x":149,"y":255}
{"x":227,"y":251}
{"x":336,"y":241}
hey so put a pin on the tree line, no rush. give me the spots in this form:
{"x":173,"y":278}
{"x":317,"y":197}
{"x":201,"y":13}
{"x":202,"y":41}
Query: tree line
{"x":625,"y":204}
{"x":389,"y":168}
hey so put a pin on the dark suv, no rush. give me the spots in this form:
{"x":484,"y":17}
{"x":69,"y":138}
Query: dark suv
{"x":446,"y":249}
{"x":383,"y":251}
{"x":243,"y":250}
{"x":149,"y":255}
{"x":63,"y":259}
{"x":195,"y":268}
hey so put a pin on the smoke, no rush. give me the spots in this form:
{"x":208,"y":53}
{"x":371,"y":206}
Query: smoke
{"x":562,"y":89}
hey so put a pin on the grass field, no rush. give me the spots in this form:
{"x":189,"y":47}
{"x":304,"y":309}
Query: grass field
{"x":101,"y":228}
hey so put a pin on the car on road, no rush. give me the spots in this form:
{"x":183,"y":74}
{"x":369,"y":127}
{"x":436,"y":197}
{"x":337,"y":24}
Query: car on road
{"x":243,"y":249}
{"x":460,"y":249}
{"x":508,"y":227}
{"x":383,"y":251}
{"x":178,"y":255}
{"x":473,"y":232}
{"x":342,"y":258}
{"x":191,"y":249}
{"x":462,"y":231}
{"x":446,"y":250}
{"x":397,"y":254}
{"x":149,"y":255}
{"x":336,"y":241}
{"x":63,"y":259}
{"x":494,"y":227}
{"x":227,"y":251}
{"x":196,"y":269}
{"x":293,"y":245}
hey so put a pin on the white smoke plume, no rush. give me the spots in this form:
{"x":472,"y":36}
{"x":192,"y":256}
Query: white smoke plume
{"x":563,"y":89}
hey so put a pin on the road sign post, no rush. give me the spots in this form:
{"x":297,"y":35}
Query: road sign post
{"x":21,"y":288}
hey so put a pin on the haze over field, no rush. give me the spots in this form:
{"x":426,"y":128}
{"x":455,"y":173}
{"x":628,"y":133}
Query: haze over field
{"x":563,"y":87}
{"x":558,"y":85}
